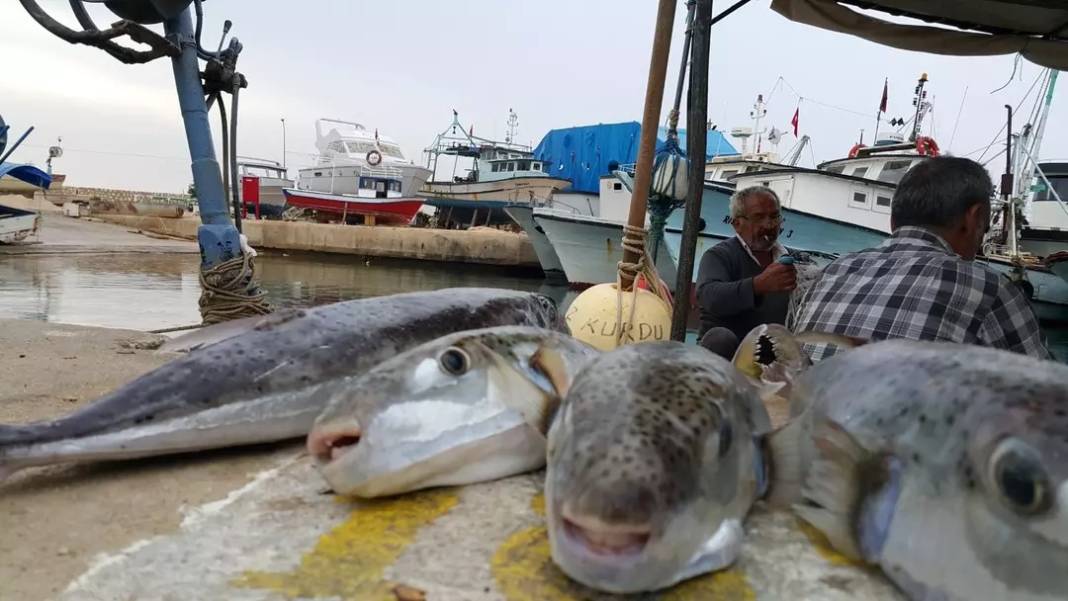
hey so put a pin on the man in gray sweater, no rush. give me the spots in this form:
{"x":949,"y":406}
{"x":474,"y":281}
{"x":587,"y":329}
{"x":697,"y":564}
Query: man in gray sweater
{"x":741,"y":283}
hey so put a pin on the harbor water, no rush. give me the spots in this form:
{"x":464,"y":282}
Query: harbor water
{"x":146,"y":291}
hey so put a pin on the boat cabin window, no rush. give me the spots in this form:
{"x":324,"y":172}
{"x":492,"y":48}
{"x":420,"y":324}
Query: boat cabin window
{"x":1060,"y":184}
{"x":391,"y":150}
{"x":860,"y":171}
{"x":893,"y":171}
{"x":509,"y":166}
{"x":337,"y":146}
{"x":536,"y":166}
{"x":360,"y":147}
{"x":860,"y":198}
{"x":728,"y":172}
{"x":752,"y":168}
{"x":617,"y":186}
{"x":836,"y":168}
{"x":524,"y":165}
{"x":882,"y":201}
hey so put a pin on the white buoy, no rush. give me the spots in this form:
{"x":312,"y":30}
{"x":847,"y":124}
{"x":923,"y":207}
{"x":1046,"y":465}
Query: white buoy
{"x":593,"y":317}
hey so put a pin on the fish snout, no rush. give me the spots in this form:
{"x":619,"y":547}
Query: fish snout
{"x":607,"y":540}
{"x":329,"y":442}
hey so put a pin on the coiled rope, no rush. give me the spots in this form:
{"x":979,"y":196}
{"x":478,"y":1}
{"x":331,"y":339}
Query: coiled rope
{"x":642,"y":270}
{"x":228,"y":291}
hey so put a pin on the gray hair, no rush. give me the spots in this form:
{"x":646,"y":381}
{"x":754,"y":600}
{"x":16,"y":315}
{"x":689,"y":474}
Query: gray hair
{"x":938,"y":191}
{"x":739,"y":198}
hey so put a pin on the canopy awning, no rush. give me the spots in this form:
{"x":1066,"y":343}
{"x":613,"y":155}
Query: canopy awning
{"x":1037,"y":29}
{"x":27,"y":173}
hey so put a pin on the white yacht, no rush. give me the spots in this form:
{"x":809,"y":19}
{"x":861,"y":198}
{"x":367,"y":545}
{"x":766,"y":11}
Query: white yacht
{"x":345,"y":149}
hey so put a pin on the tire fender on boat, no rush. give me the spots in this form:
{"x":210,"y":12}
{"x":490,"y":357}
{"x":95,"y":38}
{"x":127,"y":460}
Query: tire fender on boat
{"x":374,"y":158}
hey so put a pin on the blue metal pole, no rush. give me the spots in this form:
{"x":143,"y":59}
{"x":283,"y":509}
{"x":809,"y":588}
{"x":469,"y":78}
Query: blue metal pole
{"x":217,"y":236}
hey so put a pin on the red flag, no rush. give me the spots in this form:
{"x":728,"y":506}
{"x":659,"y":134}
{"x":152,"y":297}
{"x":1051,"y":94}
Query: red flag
{"x":882,"y":104}
{"x":797,"y":115}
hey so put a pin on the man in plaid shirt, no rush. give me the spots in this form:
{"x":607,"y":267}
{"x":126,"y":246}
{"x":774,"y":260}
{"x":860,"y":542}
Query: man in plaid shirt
{"x":922,"y":282}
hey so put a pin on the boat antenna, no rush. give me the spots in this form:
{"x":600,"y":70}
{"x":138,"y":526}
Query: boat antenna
{"x":513,"y":126}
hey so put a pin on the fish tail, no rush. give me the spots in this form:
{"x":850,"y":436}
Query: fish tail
{"x":11,"y":437}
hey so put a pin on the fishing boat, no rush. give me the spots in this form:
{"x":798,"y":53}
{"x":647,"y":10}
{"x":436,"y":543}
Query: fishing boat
{"x":16,"y":225}
{"x":501,"y":174}
{"x":377,"y":199}
{"x":1045,"y":231}
{"x":345,"y":148}
{"x":262,"y":182}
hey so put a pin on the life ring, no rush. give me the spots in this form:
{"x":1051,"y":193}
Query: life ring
{"x":853,"y":151}
{"x":374,"y":158}
{"x":927,"y":146}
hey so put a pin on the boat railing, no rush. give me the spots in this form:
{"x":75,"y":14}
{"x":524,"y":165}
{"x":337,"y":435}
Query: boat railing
{"x":386,"y":172}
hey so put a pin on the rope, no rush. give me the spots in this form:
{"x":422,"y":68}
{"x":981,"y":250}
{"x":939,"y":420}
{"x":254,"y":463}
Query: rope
{"x":634,"y":241}
{"x":228,"y":291}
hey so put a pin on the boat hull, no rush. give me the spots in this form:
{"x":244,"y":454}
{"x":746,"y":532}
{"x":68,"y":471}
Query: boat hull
{"x":16,"y":224}
{"x":590,"y":248}
{"x":345,"y":174}
{"x":550,"y":263}
{"x":386,"y":210}
{"x":1043,"y":242}
{"x":535,"y":191}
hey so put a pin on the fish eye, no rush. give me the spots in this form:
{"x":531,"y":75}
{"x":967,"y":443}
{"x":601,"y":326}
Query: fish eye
{"x":454,"y":361}
{"x":1021,"y":481}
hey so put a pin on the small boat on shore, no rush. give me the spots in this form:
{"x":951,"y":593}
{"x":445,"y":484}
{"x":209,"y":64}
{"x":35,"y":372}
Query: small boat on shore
{"x":262,"y":182}
{"x":378,"y":199}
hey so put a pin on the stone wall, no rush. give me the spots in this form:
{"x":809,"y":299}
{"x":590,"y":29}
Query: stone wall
{"x":488,"y":246}
{"x":115,"y":195}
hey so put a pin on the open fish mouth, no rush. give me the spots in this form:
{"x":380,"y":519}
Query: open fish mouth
{"x":605,"y":542}
{"x":329,"y":444}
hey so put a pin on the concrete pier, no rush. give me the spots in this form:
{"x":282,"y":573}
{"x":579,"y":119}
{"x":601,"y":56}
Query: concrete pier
{"x":257,"y":523}
{"x":481,"y":246}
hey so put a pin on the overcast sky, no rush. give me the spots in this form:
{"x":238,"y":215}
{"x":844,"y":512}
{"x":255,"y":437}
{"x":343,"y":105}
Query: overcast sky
{"x":402,"y":66}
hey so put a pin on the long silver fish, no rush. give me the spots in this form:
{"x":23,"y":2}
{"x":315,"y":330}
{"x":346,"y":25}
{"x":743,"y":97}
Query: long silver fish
{"x":653,"y":463}
{"x":258,"y":386}
{"x":945,"y":465}
{"x":468,"y":407}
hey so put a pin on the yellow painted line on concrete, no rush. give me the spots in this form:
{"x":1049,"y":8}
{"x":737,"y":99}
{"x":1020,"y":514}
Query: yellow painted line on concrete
{"x":348,"y":562}
{"x":524,"y":571}
{"x":823,"y":546}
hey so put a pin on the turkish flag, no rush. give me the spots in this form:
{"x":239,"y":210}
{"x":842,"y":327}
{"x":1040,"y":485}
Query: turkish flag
{"x":797,"y":114}
{"x":882,"y":103}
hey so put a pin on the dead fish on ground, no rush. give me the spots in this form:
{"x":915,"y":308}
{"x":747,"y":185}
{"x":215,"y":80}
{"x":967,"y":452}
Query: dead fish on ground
{"x":945,"y":465}
{"x":258,"y":386}
{"x":468,"y":407}
{"x":653,"y":463}
{"x":772,"y":356}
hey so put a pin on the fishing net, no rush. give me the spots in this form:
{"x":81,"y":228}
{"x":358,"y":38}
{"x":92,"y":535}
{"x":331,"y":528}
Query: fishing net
{"x":808,"y":272}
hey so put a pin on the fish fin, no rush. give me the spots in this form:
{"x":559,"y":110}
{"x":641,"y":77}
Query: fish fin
{"x":718,"y":553}
{"x":783,"y":450}
{"x":833,"y":489}
{"x":551,"y":364}
{"x":829,"y":338}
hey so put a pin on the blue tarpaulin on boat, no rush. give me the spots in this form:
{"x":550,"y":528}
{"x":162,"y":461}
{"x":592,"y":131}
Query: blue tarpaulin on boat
{"x":27,"y":173}
{"x":582,"y":154}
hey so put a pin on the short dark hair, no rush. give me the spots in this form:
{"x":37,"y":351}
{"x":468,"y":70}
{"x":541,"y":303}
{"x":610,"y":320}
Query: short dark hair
{"x":938,"y":192}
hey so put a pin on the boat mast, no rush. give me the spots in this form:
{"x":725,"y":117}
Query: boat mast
{"x":920,"y":105}
{"x":758,"y":112}
{"x":513,"y":126}
{"x":1029,"y":159}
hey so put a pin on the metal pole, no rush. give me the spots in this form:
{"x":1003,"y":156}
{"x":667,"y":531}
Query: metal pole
{"x":1007,"y":187}
{"x":696,"y":118}
{"x":283,"y":142}
{"x":654,"y":97}
{"x":217,"y":235}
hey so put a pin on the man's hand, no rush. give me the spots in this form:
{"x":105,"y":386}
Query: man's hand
{"x":775,"y":278}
